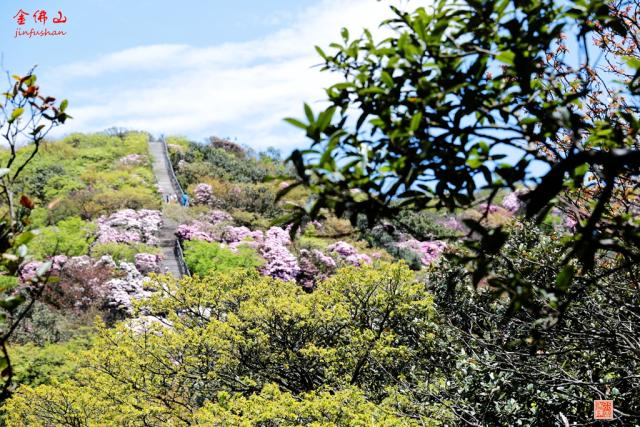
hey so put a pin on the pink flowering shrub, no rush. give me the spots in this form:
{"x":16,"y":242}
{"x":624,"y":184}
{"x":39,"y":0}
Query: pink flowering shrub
{"x":452,"y":223}
{"x":203,"y":194}
{"x":491,"y":208}
{"x":314,"y":267}
{"x":148,"y":263}
{"x":272,"y":246}
{"x":280,"y":263}
{"x":130,"y":226}
{"x":428,"y":251}
{"x":123,"y":291}
{"x":83,"y":283}
{"x":29,"y":270}
{"x":235,"y":234}
{"x":218,"y":216}
{"x":570,"y":223}
{"x":194,"y":231}
{"x":348,"y":253}
{"x":79,"y":281}
{"x":512,"y":202}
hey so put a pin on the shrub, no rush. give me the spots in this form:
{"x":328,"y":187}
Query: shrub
{"x":71,"y":237}
{"x":203,"y":194}
{"x":130,"y":226}
{"x":228,"y":146}
{"x":53,"y":362}
{"x":122,"y":251}
{"x":61,"y":185}
{"x":204,"y":258}
{"x":125,"y":198}
{"x":233,"y":336}
{"x":148,"y":263}
{"x":45,"y":324}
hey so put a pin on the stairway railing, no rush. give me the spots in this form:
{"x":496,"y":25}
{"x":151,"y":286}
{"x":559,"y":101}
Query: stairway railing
{"x":182,"y":265}
{"x":172,"y":176}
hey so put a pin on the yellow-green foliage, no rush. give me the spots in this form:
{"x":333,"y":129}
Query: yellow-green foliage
{"x":347,"y":407}
{"x":82,"y":175}
{"x":35,"y":365}
{"x":122,"y":251}
{"x":71,"y":236}
{"x":242,"y":350}
{"x":206,"y":257}
{"x":179,"y":141}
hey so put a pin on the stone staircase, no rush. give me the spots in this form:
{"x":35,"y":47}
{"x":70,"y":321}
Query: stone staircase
{"x":166,"y":238}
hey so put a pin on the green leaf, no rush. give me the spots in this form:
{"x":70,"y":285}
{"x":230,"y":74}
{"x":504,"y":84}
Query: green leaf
{"x":321,"y":52}
{"x":15,"y":114}
{"x":295,"y":122}
{"x":386,"y":79}
{"x":415,"y":122}
{"x":324,"y":119}
{"x":506,"y":57}
{"x":12,"y":302}
{"x":344,"y":33}
{"x":564,"y":278}
{"x":309,"y":113}
{"x":63,"y":105}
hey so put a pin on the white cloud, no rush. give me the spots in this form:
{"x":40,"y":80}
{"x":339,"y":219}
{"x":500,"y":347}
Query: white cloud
{"x":240,"y":90}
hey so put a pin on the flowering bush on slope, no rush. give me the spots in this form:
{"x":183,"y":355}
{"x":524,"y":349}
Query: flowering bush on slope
{"x":348,"y":253}
{"x":203,"y":194}
{"x":148,"y":263}
{"x":194,"y":231}
{"x":512,"y":202}
{"x":428,"y":251}
{"x":272,"y":246}
{"x":130,"y":226}
{"x":314,"y":267}
{"x":83,"y":282}
{"x":121,"y":292}
{"x":218,"y":216}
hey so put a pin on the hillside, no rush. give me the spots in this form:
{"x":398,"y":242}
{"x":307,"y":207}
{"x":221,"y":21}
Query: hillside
{"x":268,"y":324}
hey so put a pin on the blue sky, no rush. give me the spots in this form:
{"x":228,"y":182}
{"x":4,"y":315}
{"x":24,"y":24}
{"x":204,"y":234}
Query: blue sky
{"x":193,"y":68}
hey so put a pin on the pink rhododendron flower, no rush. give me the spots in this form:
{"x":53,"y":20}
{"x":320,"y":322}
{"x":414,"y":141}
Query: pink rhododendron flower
{"x":512,"y":202}
{"x":130,"y":226}
{"x":203,"y":194}
{"x":218,"y":216}
{"x":194,"y":231}
{"x":570,"y":223}
{"x":148,"y":263}
{"x":348,"y":253}
{"x":428,"y":251}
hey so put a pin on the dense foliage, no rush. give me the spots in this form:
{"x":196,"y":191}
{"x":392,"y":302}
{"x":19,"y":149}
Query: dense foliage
{"x":204,"y":258}
{"x":344,"y":352}
{"x":488,"y":94}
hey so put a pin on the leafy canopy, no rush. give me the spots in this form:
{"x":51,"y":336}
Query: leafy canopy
{"x":482,"y":94}
{"x":225,"y":346}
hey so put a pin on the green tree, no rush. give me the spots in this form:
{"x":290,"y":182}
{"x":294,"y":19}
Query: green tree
{"x":484,"y":94}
